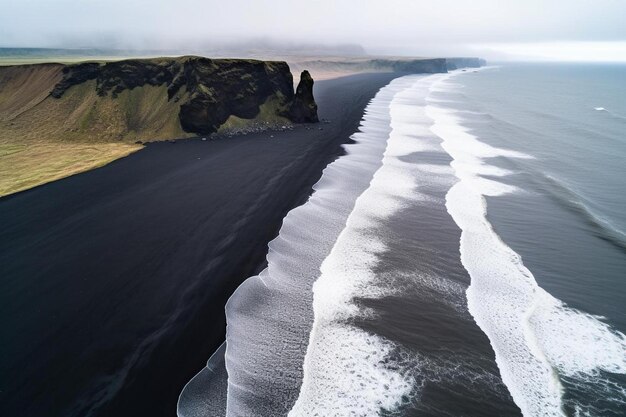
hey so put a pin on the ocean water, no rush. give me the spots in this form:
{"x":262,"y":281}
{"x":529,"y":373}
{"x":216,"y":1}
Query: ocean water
{"x":466,"y":257}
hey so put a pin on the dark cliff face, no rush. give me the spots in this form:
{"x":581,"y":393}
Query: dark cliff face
{"x":219,"y":89}
{"x":208,"y":91}
{"x":115,"y":77}
{"x":303,"y":108}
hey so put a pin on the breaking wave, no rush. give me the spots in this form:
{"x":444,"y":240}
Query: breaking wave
{"x":539,"y":341}
{"x":265,"y":367}
{"x":293,"y":345}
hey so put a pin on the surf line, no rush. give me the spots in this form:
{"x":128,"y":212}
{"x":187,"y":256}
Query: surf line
{"x":536,"y":337}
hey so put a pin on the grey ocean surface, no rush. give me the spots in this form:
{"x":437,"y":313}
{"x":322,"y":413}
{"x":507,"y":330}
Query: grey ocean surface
{"x":480,"y":271}
{"x":568,"y":222}
{"x":571,"y":227}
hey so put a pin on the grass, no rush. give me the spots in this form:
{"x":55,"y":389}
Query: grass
{"x":43,"y":139}
{"x":56,"y":138}
{"x":268,"y":113}
{"x":23,"y":166}
{"x":143,"y":113}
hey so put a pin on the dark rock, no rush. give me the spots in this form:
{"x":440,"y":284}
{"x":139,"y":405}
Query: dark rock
{"x":208,"y":91}
{"x":74,"y":75}
{"x":116,"y":77}
{"x":303,"y":108}
{"x":221,"y":88}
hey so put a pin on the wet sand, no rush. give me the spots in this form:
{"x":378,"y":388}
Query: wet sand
{"x":113,"y":282}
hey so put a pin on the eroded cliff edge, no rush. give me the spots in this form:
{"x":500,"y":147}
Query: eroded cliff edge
{"x":149,"y":99}
{"x":58,"y":120}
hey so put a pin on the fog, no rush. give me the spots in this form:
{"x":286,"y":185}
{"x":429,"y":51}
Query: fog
{"x":579,"y":29}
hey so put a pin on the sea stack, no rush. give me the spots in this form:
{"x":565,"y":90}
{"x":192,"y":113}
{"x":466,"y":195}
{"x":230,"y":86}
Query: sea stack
{"x":303,"y":108}
{"x":150,"y":99}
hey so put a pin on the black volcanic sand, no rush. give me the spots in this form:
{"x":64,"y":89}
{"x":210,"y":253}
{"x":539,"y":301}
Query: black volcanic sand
{"x":113,"y":282}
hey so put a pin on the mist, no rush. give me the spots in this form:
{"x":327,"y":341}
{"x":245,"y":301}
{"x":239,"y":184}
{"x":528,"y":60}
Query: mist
{"x":595,"y":30}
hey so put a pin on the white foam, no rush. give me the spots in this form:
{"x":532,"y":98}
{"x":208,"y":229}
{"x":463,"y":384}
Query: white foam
{"x":535,"y":337}
{"x":289,"y":337}
{"x":354,"y":379}
{"x":270,"y":316}
{"x":347,"y":371}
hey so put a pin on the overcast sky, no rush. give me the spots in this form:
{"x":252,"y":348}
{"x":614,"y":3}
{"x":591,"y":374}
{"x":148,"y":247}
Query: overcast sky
{"x":571,"y":29}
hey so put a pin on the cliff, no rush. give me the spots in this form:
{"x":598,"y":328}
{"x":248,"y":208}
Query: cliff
{"x":147,"y":99}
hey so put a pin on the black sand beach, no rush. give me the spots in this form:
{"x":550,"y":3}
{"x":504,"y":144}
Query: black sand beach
{"x":113,"y":282}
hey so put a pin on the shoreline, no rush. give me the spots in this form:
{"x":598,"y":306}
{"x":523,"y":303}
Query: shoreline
{"x":70,"y":148}
{"x":57,"y":120}
{"x":207,"y":207}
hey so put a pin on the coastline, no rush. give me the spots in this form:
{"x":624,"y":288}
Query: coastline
{"x":57,"y":120}
{"x":207,"y":207}
{"x":84,"y":130}
{"x":384,"y":242}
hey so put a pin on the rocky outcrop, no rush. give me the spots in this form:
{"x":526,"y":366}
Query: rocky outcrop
{"x":208,"y":91}
{"x":217,"y":90}
{"x":303,"y":108}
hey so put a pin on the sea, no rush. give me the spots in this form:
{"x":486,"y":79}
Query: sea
{"x":465,"y":257}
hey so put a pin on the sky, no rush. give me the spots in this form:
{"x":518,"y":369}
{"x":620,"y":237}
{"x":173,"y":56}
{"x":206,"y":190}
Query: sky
{"x":589,"y":30}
